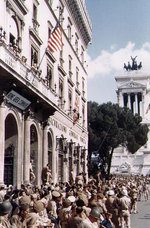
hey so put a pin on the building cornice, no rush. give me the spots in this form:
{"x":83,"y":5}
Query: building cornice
{"x":81,"y":18}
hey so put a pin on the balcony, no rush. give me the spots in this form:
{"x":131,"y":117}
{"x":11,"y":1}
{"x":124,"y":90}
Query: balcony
{"x":14,"y":69}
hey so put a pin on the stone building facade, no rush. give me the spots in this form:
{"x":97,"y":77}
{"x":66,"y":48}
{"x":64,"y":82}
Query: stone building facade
{"x":40,"y":89}
{"x":133,"y":91}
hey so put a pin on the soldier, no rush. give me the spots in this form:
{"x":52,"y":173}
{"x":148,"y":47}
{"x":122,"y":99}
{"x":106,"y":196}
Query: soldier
{"x":65,"y":213}
{"x":93,"y":220}
{"x":134,"y":198}
{"x":101,"y":204}
{"x":145,"y":191}
{"x":2,"y":192}
{"x":5,"y":210}
{"x":20,"y":219}
{"x":112,"y":206}
{"x":125,"y":205}
{"x":42,"y":217}
{"x":52,"y":204}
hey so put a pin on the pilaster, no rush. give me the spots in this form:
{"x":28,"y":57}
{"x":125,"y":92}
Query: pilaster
{"x":27,"y":151}
{"x":2,"y":141}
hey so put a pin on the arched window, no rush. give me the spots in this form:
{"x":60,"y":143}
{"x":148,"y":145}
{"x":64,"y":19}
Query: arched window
{"x":13,"y":32}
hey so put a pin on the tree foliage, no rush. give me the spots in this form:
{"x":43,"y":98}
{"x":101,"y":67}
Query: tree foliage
{"x":111,"y":126}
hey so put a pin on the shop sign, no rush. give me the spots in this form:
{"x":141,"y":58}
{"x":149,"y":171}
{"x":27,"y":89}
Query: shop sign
{"x":17,"y":100}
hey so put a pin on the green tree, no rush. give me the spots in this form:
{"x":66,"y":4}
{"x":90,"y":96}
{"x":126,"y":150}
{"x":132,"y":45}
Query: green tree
{"x":111,"y":126}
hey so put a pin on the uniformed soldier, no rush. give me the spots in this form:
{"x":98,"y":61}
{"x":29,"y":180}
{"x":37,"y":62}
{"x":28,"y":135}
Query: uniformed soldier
{"x":125,"y":205}
{"x":20,"y":219}
{"x":52,"y":206}
{"x":5,"y":210}
{"x":93,"y":220}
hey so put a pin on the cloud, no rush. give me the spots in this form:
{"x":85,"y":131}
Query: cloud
{"x":112,"y":61}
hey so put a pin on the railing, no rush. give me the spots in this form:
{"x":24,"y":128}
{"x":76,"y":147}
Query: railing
{"x":29,"y":76}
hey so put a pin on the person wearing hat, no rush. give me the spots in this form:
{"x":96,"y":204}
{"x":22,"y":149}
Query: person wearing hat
{"x":78,"y":214}
{"x":20,"y":219}
{"x":25,"y":200}
{"x":33,"y":200}
{"x":134,"y":198}
{"x":93,"y":201}
{"x":93,"y":220}
{"x":5,"y":210}
{"x":125,"y":205}
{"x":86,"y":191}
{"x":2,"y":192}
{"x":65,"y":213}
{"x":101,"y":203}
{"x":43,"y":219}
{"x":112,"y":206}
{"x":52,"y":204}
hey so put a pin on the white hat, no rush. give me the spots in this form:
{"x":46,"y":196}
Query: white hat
{"x":72,"y":199}
{"x":110,"y":193}
{"x":123,"y":187}
{"x":124,"y":192}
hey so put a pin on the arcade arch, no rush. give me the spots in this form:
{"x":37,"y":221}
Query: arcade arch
{"x":11,"y":150}
{"x":34,"y":149}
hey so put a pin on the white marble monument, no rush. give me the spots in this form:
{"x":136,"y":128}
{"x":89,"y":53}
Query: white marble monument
{"x":133,"y":91}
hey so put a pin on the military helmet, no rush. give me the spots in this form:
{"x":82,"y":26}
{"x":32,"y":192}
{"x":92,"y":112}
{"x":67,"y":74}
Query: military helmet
{"x":5,"y":208}
{"x":95,"y":212}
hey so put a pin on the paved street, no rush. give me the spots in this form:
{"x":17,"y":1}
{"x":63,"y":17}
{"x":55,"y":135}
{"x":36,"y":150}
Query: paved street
{"x":142,"y":218}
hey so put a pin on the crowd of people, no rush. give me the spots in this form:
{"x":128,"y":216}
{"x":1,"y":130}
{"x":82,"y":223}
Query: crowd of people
{"x":79,"y":204}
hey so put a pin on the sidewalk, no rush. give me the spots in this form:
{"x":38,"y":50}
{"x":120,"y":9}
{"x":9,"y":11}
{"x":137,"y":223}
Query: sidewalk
{"x":142,"y":218}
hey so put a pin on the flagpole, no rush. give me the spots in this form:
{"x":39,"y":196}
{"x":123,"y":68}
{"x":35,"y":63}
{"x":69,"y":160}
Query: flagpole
{"x":39,"y":64}
{"x":42,"y":59}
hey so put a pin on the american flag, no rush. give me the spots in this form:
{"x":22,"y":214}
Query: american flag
{"x":55,"y":40}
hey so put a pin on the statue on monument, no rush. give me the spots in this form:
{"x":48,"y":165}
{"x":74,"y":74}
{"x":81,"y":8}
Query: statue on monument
{"x":134,"y":65}
{"x":46,"y":175}
{"x":32,"y":175}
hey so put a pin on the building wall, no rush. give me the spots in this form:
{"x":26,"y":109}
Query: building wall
{"x":44,"y":128}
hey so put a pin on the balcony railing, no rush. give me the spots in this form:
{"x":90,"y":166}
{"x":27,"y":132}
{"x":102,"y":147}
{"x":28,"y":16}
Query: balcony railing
{"x":22,"y":72}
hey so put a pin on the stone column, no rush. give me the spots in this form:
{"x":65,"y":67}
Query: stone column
{"x":27,"y":151}
{"x":65,"y":162}
{"x":54,"y":161}
{"x":40,"y":154}
{"x":121,"y":101}
{"x":2,"y":141}
{"x":129,"y":101}
{"x":86,"y":165}
{"x":73,"y":166}
{"x":75,"y":159}
{"x":80,"y":159}
{"x":142,"y":105}
{"x":72,"y":156}
{"x":136,"y":104}
{"x":45,"y":147}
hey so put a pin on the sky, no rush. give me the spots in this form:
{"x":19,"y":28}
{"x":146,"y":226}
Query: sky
{"x":120,"y":29}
